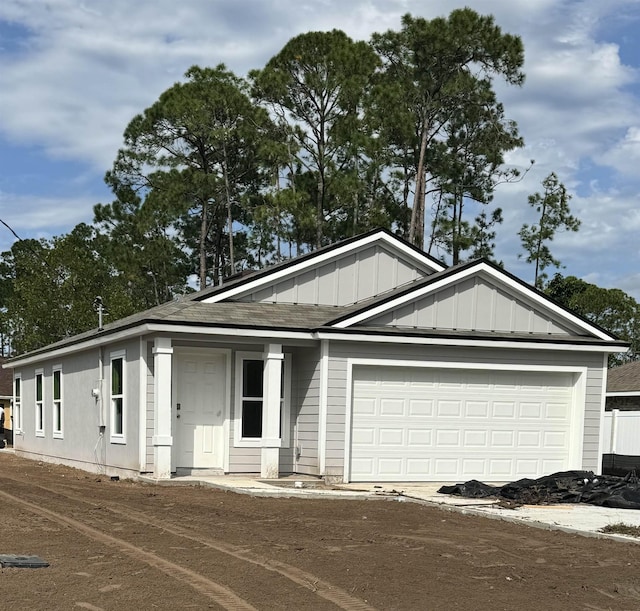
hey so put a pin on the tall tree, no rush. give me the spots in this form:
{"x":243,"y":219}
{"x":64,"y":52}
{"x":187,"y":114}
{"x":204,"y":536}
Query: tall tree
{"x":139,"y":245}
{"x":468,"y":165}
{"x":195,"y":152}
{"x":612,"y":309}
{"x":552,"y":208}
{"x":316,"y":83}
{"x":430,"y":71}
{"x":54,"y":283}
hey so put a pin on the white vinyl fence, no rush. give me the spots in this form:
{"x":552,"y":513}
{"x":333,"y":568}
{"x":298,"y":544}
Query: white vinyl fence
{"x":621,"y":433}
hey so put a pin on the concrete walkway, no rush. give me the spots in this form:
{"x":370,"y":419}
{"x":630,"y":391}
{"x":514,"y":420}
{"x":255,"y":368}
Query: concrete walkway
{"x":580,"y":519}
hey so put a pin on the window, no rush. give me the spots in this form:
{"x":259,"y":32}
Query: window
{"x":117,"y":417}
{"x":252,"y":381}
{"x":39,"y":404}
{"x":17,"y":403}
{"x":250,"y":394}
{"x":57,"y":402}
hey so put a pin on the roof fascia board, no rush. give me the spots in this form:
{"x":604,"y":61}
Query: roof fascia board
{"x":623,"y":393}
{"x":478,"y":343}
{"x":295,"y":268}
{"x":93,"y":342}
{"x":232,"y":331}
{"x":481,"y":266}
{"x":157,"y":328}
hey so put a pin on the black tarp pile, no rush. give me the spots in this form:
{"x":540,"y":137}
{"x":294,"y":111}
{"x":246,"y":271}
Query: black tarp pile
{"x":563,"y":487}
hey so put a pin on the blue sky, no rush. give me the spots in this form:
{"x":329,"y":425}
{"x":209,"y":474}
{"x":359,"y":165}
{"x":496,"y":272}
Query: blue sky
{"x":73,"y":73}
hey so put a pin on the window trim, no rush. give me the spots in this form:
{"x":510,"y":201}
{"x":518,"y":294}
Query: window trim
{"x":57,"y":404}
{"x":118,"y":438}
{"x":39,"y":403}
{"x":17,"y":403}
{"x":285,"y":413}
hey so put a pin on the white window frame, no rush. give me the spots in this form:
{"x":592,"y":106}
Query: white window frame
{"x":57,"y":404}
{"x":17,"y":403}
{"x":119,"y":438}
{"x":39,"y":403}
{"x":285,"y":402}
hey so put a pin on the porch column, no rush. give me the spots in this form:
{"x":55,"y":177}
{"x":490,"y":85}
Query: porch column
{"x":162,"y":440}
{"x":272,"y":383}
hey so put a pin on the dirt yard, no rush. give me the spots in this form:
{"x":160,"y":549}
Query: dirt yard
{"x":125,"y":545}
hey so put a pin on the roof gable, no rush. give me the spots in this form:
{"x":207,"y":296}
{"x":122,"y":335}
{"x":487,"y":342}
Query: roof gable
{"x":345,"y":273}
{"x":478,"y":296}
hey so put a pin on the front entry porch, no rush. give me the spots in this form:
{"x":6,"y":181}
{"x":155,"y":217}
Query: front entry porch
{"x":193,"y":415}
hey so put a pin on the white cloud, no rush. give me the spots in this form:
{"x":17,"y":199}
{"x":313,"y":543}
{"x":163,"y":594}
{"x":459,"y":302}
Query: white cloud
{"x":86,"y":68}
{"x":624,"y":155}
{"x":40,"y":217}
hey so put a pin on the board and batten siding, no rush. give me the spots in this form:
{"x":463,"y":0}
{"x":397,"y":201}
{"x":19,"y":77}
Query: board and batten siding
{"x":340,"y":352}
{"x":352,"y":278}
{"x":472,"y":304}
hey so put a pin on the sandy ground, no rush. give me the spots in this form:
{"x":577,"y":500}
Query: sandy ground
{"x":128,"y":545}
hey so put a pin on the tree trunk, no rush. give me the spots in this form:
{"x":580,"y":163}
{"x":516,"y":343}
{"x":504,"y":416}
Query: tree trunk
{"x":434,"y":224}
{"x":416,"y":231}
{"x":203,"y":249}
{"x":539,"y":244}
{"x":227,"y":191}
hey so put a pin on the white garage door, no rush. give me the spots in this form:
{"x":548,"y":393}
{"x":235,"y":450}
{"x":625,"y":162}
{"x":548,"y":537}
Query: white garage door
{"x":424,"y":424}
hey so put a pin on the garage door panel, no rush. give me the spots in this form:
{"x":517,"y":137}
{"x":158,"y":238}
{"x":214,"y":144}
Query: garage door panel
{"x":530,"y":410}
{"x":364,"y":436}
{"x":556,"y":411}
{"x":419,"y":437}
{"x":501,"y":467}
{"x":472,"y":466}
{"x":477,"y":439}
{"x":417,"y":466}
{"x":446,"y":467}
{"x":392,"y":407}
{"x":448,"y":438}
{"x":504,"y":409}
{"x":430,"y":431}
{"x":449,"y":408}
{"x":476,"y":409}
{"x":502,"y":439}
{"x":365,"y":407}
{"x":553,"y":439}
{"x":552,"y":466}
{"x":391,"y":467}
{"x":364,"y":467}
{"x":420,"y":407}
{"x":391,"y":437}
{"x":529,"y":439}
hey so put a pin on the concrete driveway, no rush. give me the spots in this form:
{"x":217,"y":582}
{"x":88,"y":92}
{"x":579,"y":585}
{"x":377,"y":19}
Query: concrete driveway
{"x":576,"y":518}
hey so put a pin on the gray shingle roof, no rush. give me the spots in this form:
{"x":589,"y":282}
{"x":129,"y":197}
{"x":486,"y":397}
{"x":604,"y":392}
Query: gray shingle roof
{"x":625,"y":378}
{"x":233,"y":314}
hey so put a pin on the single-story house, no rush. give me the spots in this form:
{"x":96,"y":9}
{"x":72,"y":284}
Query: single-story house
{"x":367,"y":360}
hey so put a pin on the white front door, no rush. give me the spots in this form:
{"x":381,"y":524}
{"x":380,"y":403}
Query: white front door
{"x":199,"y":396}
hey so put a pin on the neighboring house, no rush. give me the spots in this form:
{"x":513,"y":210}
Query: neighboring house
{"x":621,"y":429}
{"x":623,"y":387}
{"x":6,"y":397}
{"x":363,"y":361}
